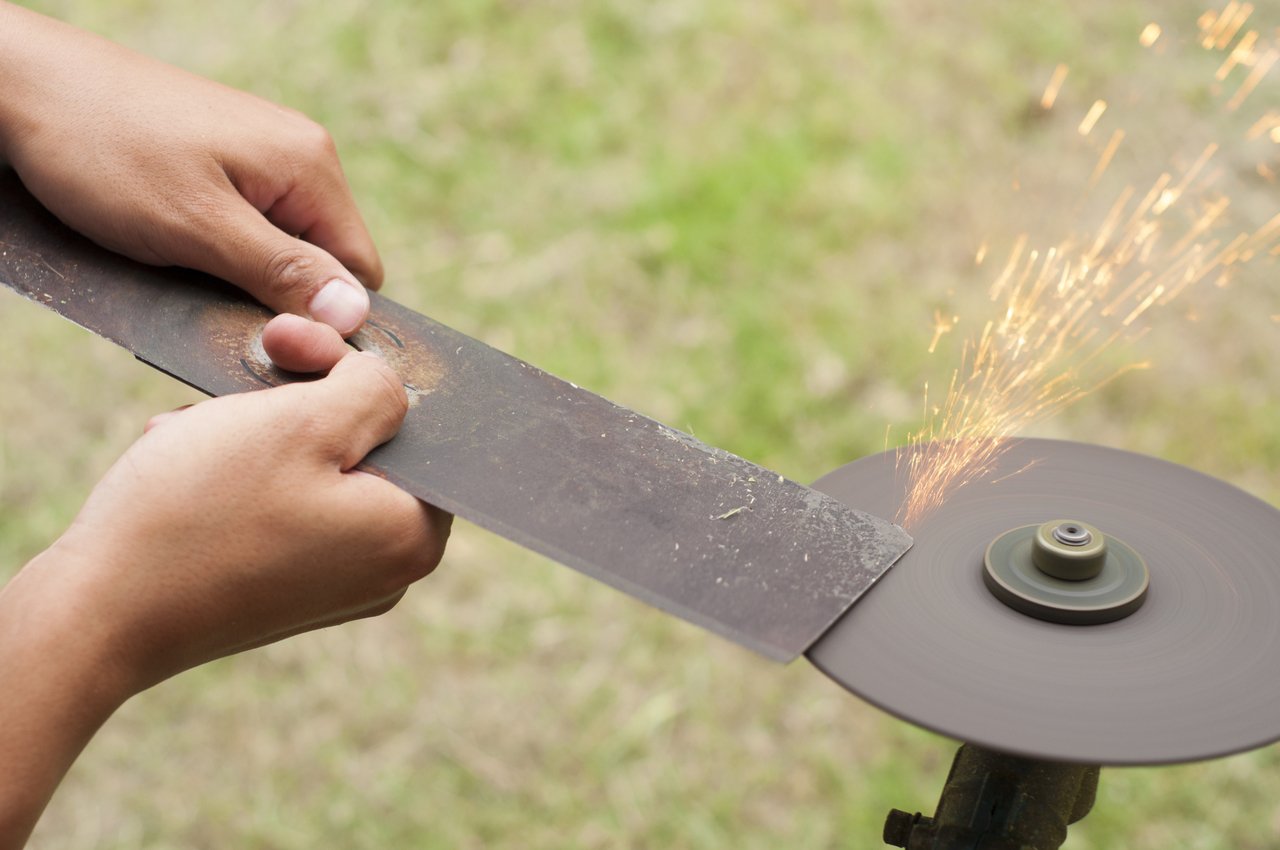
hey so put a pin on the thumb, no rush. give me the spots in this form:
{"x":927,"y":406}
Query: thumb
{"x":286,"y":274}
{"x":364,"y":404}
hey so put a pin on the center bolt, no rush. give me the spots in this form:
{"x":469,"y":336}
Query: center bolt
{"x":1072,"y":534}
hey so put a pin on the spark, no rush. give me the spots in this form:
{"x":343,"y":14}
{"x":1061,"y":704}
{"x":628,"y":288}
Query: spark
{"x":1260,"y":70}
{"x":1268,"y":123}
{"x":1091,"y":117}
{"x":1241,"y":55}
{"x":1231,"y":24}
{"x":942,"y":325}
{"x":1218,"y":31}
{"x":1059,"y":306}
{"x":1143,"y":306}
{"x":1050,"y":95}
{"x":1213,"y":25}
{"x":1104,"y":160}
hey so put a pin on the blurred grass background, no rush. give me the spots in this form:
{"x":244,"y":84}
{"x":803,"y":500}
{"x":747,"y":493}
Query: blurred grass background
{"x":736,"y":217}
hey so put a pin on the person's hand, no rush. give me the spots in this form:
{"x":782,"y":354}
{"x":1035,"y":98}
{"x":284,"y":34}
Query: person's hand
{"x":173,"y":169}
{"x":231,"y":524}
{"x":243,"y":519}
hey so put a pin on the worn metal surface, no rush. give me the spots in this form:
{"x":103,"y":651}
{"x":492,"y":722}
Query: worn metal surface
{"x":694,"y":530}
{"x":1193,"y":674}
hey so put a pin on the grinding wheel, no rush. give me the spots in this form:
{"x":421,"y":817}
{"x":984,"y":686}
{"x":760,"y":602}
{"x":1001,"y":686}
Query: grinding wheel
{"x":1194,"y":673}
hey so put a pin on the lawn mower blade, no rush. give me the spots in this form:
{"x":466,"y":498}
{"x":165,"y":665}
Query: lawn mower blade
{"x":691,"y":529}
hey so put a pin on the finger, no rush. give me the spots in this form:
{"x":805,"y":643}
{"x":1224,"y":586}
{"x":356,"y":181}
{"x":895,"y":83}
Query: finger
{"x":364,"y":403}
{"x":161,"y":418}
{"x":286,"y":274}
{"x":324,"y":213}
{"x":416,"y":534}
{"x":305,"y":192}
{"x":412,"y":535}
{"x":301,"y":345}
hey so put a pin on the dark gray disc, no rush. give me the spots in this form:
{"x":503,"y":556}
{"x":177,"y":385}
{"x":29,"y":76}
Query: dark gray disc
{"x":1192,"y":674}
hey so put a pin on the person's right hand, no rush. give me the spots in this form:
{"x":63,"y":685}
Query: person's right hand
{"x":173,"y":169}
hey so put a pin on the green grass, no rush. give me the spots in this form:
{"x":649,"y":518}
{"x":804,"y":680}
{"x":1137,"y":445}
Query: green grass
{"x":735,"y":216}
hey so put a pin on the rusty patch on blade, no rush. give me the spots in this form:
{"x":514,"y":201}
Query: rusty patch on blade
{"x":406,"y":349}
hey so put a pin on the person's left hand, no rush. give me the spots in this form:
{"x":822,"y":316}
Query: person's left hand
{"x":234,"y":523}
{"x":243,"y":519}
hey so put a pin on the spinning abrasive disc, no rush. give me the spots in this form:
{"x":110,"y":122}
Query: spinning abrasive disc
{"x":1192,"y":673}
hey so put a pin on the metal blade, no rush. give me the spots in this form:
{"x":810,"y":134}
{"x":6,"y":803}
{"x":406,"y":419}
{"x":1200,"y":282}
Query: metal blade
{"x":694,"y":530}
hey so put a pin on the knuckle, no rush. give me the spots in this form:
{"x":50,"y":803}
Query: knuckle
{"x":290,"y":272}
{"x":391,"y":395}
{"x":421,"y":566}
{"x":429,"y":557}
{"x":441,"y":526}
{"x":419,"y":547}
{"x":315,"y":143}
